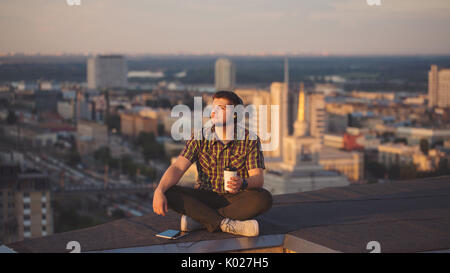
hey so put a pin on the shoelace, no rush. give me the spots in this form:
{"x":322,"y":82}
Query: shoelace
{"x":230,"y":227}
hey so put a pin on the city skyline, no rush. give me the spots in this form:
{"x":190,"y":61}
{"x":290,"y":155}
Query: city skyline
{"x":200,"y":27}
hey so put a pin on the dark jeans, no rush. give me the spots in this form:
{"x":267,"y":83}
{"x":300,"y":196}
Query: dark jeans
{"x":210,"y":208}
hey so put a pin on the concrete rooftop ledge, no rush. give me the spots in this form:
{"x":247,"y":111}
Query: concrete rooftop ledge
{"x":401,"y":216}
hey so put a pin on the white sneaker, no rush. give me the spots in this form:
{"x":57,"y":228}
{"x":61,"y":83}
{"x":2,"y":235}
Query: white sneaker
{"x":189,"y":224}
{"x":248,"y":228}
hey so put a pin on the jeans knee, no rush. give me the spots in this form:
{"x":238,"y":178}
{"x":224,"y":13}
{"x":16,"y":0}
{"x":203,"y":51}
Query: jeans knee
{"x":265,"y":199}
{"x":262,"y":200}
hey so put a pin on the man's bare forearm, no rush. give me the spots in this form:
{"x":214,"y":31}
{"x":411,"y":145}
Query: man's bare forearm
{"x":256,"y":181}
{"x":170,"y":178}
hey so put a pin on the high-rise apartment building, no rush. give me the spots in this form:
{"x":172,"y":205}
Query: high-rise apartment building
{"x":279,"y":96}
{"x":25,"y":210}
{"x":107,"y":71}
{"x":317,"y":115}
{"x":225,"y":74}
{"x":438,"y":87}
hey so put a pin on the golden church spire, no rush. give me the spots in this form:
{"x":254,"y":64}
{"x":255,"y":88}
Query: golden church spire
{"x":301,"y":104}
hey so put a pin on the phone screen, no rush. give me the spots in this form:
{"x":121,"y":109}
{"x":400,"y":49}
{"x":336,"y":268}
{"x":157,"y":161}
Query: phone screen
{"x":169,"y":234}
{"x":172,"y":234}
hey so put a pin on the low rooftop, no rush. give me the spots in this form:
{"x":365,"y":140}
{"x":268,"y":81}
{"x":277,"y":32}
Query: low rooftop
{"x":402,"y":216}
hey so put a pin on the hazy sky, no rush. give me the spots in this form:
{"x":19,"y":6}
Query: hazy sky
{"x":226,"y":26}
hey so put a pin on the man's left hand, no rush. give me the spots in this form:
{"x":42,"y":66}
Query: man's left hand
{"x":235,"y":184}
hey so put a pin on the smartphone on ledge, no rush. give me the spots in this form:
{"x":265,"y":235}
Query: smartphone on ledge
{"x":172,"y":234}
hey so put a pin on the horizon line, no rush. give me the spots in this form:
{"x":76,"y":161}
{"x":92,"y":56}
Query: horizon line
{"x":218,"y":54}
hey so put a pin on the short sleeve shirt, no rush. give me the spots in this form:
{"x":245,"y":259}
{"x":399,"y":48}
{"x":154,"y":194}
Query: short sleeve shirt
{"x":212,"y":156}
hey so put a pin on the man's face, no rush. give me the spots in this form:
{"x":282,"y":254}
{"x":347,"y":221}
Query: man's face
{"x":219,"y":113}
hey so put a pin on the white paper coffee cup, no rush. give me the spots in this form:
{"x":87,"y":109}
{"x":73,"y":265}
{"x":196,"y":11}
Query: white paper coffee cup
{"x":227,"y":174}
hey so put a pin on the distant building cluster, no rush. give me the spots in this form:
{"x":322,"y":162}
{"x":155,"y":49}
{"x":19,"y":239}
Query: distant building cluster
{"x":90,"y":136}
{"x":132,"y":124}
{"x":327,"y":137}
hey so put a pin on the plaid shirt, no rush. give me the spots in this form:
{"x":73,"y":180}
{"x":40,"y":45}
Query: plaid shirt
{"x":212,"y":157}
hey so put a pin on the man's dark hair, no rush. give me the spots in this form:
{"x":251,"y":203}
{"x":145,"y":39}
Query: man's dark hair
{"x":229,"y":95}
